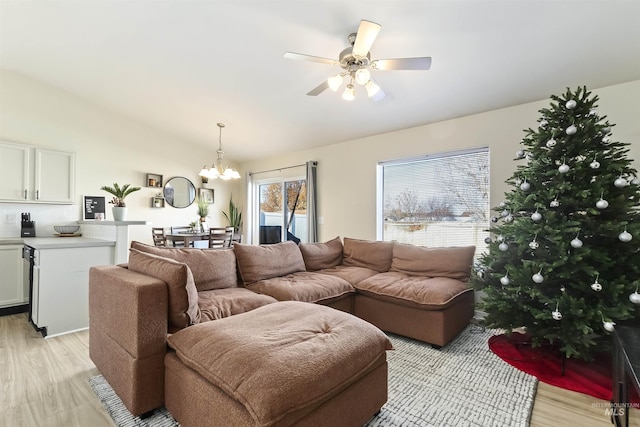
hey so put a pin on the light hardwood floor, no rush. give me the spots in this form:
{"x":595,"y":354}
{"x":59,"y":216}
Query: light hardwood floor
{"x":45,"y":382}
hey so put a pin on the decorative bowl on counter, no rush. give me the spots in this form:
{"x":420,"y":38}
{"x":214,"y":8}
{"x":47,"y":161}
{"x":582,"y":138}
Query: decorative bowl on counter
{"x":66,"y":229}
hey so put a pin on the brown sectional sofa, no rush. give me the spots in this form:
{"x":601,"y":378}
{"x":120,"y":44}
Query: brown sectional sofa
{"x":418,"y":292}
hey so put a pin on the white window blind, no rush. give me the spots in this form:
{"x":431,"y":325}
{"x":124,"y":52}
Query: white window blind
{"x":439,"y":200}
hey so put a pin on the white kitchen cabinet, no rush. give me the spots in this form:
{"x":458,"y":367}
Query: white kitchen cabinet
{"x":12,"y":292}
{"x":36,"y":175}
{"x":61,"y":286}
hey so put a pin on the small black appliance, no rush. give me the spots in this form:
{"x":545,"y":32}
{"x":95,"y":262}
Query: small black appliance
{"x":28,"y":227}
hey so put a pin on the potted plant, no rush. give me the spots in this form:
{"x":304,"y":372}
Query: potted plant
{"x":203,"y":210}
{"x":234,"y":216}
{"x":119,"y":193}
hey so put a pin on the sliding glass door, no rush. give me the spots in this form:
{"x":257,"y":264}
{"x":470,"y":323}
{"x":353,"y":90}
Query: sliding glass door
{"x":282,"y":211}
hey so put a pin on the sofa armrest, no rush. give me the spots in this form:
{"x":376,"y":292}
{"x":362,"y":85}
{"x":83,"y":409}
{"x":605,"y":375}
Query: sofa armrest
{"x":131,"y":308}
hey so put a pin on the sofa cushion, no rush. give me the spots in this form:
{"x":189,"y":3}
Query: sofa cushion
{"x":352,"y":275}
{"x":211,"y":268}
{"x":368,"y":254}
{"x":321,"y":255}
{"x":436,"y":293}
{"x":452,"y":262}
{"x":283,"y":357}
{"x":219,"y":303}
{"x":306,"y":286}
{"x":268,"y":261}
{"x":183,"y":296}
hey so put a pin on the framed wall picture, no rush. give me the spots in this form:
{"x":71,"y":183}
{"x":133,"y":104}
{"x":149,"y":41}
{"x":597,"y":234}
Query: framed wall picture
{"x":93,"y":207}
{"x":206,"y":194}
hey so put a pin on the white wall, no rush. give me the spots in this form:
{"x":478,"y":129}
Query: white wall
{"x":113,"y":148}
{"x":347,"y":171}
{"x":109,"y":148}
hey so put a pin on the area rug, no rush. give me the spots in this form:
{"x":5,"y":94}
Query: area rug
{"x":463,"y":384}
{"x":545,"y":362}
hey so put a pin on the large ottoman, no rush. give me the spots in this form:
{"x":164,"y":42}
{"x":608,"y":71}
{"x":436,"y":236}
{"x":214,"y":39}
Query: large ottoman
{"x":287,"y":363}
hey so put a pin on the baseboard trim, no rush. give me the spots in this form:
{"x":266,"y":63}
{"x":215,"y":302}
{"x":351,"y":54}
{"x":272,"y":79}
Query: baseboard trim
{"x":16,"y":309}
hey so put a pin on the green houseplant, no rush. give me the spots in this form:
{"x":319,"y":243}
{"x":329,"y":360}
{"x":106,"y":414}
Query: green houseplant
{"x":234,"y":216}
{"x":119,"y":193}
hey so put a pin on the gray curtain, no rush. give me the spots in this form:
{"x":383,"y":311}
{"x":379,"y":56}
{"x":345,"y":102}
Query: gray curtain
{"x":312,"y":210}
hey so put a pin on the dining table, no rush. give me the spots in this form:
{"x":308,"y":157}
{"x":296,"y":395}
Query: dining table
{"x":187,"y":237}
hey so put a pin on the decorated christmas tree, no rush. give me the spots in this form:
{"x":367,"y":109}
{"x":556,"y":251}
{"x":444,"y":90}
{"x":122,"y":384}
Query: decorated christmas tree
{"x":564,"y":251}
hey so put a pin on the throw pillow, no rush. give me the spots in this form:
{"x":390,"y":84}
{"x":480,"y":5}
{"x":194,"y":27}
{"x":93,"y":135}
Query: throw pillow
{"x":318,"y":256}
{"x":265,"y":262}
{"x":211,"y":268}
{"x":452,"y":262}
{"x":364,"y":253}
{"x":183,"y":296}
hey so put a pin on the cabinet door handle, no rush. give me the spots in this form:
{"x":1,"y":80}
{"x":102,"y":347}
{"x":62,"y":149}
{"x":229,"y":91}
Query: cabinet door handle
{"x":37,"y":194}
{"x":25,"y":194}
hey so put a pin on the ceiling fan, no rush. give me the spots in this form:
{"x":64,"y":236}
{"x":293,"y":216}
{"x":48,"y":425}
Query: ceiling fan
{"x":356,"y":63}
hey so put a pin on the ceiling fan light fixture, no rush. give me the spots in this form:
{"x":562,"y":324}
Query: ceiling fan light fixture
{"x":363,"y":76}
{"x":349,"y":93}
{"x":335,"y":82}
{"x":372,"y":88}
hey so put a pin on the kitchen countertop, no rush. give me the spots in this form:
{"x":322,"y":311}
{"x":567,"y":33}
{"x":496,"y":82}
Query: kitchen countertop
{"x":11,"y":240}
{"x":56,"y":242}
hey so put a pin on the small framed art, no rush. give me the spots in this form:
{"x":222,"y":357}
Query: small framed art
{"x":93,"y":207}
{"x":206,"y":194}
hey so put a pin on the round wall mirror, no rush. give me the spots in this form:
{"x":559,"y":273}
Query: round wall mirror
{"x":179,"y":192}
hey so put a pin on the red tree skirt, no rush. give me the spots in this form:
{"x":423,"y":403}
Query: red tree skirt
{"x":592,"y":378}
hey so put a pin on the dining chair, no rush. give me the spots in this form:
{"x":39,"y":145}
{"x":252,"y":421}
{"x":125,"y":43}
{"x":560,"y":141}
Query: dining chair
{"x":159,"y":238}
{"x":218,"y":238}
{"x":229,"y":238}
{"x":180,"y":229}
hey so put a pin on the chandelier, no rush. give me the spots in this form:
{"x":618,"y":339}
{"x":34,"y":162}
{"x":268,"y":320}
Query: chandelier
{"x":218,"y":169}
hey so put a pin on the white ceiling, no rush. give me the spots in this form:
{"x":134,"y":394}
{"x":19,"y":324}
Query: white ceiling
{"x":182,"y":66}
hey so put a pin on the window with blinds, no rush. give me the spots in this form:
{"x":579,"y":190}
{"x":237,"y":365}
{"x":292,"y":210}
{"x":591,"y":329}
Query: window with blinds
{"x":435,"y":200}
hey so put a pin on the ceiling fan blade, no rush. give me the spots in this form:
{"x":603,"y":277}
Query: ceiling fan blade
{"x":423,"y":63}
{"x":366,"y":35}
{"x":309,"y":58}
{"x":319,"y":89}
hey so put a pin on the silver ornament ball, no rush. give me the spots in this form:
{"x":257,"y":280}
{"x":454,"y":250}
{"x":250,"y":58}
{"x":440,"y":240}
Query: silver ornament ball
{"x":536,"y":216}
{"x":551,"y":143}
{"x":554,"y":203}
{"x":534,"y":245}
{"x":625,"y":236}
{"x":594,"y":165}
{"x":538,"y":278}
{"x":635,"y":298}
{"x":505,"y":280}
{"x":596,"y":286}
{"x":620,"y":182}
{"x":525,"y":186}
{"x":609,"y":326}
{"x":571,"y":130}
{"x":571,"y":104}
{"x":576,"y":243}
{"x":602,"y":204}
{"x":487,"y":240}
{"x":503,"y":247}
{"x":556,"y":315}
{"x":563,"y":168}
